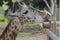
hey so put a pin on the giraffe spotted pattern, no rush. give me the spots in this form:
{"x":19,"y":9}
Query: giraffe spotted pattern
{"x":12,"y":29}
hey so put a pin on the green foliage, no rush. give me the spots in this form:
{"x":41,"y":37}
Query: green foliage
{"x":23,"y":34}
{"x":1,"y":31}
{"x":3,"y":19}
{"x":3,"y":24}
{"x":16,"y":1}
{"x":57,"y":14}
{"x":5,"y":2}
{"x":31,"y":25}
{"x":3,"y":7}
{"x":1,"y":10}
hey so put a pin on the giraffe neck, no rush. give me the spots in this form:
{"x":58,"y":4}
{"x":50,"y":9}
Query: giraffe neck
{"x":11,"y":31}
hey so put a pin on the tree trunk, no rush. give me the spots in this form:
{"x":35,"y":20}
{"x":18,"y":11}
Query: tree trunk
{"x":53,"y":14}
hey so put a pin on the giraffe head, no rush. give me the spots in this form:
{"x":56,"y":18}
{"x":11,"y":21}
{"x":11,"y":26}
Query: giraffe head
{"x":27,"y":12}
{"x":23,"y":12}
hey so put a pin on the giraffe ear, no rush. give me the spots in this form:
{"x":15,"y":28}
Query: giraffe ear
{"x":22,"y":4}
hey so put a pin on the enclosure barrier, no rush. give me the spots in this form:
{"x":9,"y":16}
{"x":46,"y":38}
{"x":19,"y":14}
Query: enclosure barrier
{"x":54,"y":30}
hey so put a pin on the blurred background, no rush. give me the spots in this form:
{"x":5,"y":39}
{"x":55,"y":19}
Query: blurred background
{"x":39,"y":4}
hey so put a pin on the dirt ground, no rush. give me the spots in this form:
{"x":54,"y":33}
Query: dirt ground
{"x":37,"y":33}
{"x":36,"y":37}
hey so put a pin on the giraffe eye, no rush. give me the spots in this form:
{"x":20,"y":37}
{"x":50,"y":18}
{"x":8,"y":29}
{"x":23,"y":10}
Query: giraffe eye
{"x":25,"y":12}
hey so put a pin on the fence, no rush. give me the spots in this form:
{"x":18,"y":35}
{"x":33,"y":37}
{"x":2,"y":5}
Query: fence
{"x":54,"y":31}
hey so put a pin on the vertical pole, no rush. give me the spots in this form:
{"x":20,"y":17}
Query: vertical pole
{"x":53,"y":17}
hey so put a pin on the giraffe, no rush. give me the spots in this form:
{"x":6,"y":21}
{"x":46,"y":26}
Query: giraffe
{"x":41,"y":13}
{"x":28,"y":11}
{"x":11,"y":30}
{"x":28,"y":14}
